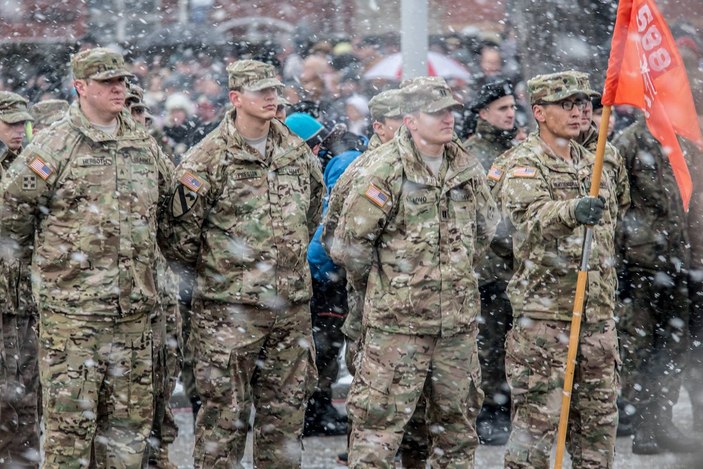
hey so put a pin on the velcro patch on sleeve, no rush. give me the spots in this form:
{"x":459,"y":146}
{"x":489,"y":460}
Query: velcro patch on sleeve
{"x":495,"y":173}
{"x":40,"y":167}
{"x":182,"y":201}
{"x":191,"y":181}
{"x":523,"y":172}
{"x":377,"y":195}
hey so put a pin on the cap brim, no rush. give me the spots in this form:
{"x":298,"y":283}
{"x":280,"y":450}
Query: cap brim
{"x":265,"y":83}
{"x":110,"y":74}
{"x":444,"y":103}
{"x":555,"y":98}
{"x":16,"y":117}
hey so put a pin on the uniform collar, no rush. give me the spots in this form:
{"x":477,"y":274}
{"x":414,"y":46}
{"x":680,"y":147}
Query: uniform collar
{"x":281,"y":144}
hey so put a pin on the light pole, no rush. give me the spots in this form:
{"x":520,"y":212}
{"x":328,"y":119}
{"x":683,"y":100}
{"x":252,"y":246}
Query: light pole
{"x":413,"y":38}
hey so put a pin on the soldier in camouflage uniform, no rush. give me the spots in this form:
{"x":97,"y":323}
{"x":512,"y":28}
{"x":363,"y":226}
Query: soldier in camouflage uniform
{"x":165,"y":326}
{"x":387,"y":119}
{"x":85,"y":194}
{"x":495,"y":130}
{"x":19,"y":374}
{"x":543,"y":192}
{"x":385,"y":112}
{"x":248,"y":199}
{"x":408,"y":236}
{"x":654,"y":244}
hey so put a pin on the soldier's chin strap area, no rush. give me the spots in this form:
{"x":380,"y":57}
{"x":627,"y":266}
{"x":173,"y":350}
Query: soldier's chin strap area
{"x":580,"y":295}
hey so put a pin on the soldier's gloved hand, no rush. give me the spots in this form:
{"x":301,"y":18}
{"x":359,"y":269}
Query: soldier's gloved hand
{"x":589,"y":210}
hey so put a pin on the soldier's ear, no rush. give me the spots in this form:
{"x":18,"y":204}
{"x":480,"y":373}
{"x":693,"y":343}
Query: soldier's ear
{"x":538,"y":112}
{"x":79,"y":86}
{"x":409,"y":121}
{"x":235,"y":97}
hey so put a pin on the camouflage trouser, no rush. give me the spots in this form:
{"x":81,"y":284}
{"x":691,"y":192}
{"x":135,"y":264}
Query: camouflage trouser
{"x":414,"y":447}
{"x":655,"y":339}
{"x":244,"y":355}
{"x":535,"y":364}
{"x":496,"y":319}
{"x":19,"y":386}
{"x":392,"y":374}
{"x":96,"y":376}
{"x":166,"y":329}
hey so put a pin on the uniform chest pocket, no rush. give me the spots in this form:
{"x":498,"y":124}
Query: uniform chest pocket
{"x":462,"y":203}
{"x":145,"y":181}
{"x":242,"y":197}
{"x":89,"y":181}
{"x":420,"y":215}
{"x":293,"y":183}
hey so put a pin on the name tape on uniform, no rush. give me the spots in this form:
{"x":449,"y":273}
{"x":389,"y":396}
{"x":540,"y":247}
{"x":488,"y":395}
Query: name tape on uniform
{"x":377,"y":195}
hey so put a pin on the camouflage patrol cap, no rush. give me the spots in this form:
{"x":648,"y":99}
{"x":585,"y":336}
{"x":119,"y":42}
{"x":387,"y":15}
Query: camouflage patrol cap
{"x":135,"y":97}
{"x":426,"y":94}
{"x":13,"y":108}
{"x":385,"y":104}
{"x":48,"y":111}
{"x":135,"y":94}
{"x":558,"y":86}
{"x":98,"y":64}
{"x":252,"y":75}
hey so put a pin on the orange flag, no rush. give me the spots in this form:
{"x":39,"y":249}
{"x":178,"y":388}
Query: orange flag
{"x":645,"y":70}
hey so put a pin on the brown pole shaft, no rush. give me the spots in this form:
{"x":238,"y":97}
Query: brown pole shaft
{"x":580,"y":296}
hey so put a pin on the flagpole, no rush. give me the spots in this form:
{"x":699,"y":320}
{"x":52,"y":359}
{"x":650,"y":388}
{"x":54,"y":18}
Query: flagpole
{"x":580,"y":294}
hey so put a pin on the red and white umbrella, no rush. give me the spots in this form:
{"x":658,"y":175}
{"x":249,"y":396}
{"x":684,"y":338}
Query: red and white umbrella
{"x":391,"y":67}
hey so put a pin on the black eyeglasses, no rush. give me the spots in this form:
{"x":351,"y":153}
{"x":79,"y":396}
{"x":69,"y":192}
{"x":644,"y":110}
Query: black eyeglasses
{"x":568,"y":104}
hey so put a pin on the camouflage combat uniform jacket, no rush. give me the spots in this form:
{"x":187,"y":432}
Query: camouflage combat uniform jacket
{"x":487,"y":144}
{"x":412,"y":239}
{"x":654,"y":234}
{"x":16,"y":283}
{"x":93,"y":198}
{"x":243,"y":222}
{"x":539,"y":193}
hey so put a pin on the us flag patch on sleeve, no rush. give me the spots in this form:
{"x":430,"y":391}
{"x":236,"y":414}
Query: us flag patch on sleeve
{"x":377,"y":195}
{"x":495,"y":173}
{"x":191,"y":181}
{"x":40,"y":167}
{"x":524,"y":172}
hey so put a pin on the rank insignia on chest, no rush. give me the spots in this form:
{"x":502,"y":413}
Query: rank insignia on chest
{"x":191,"y":181}
{"x":377,"y":196}
{"x":495,"y":173}
{"x":523,"y":172}
{"x":40,"y":168}
{"x":29,"y":183}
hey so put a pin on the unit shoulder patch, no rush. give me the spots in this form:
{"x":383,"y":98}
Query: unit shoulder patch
{"x":182,"y":201}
